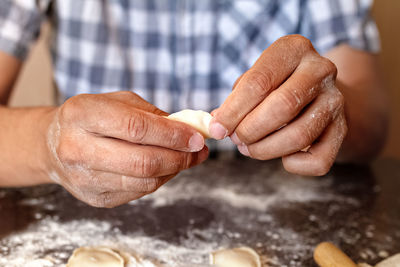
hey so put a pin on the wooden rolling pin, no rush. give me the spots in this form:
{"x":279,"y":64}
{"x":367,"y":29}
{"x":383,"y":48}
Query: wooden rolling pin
{"x":328,"y":255}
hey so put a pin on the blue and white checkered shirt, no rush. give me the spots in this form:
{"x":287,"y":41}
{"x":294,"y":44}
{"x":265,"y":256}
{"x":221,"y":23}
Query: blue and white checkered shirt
{"x":176,"y":54}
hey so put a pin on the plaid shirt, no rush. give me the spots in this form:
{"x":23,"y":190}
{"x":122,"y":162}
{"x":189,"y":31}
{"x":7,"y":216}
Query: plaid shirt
{"x":176,"y":54}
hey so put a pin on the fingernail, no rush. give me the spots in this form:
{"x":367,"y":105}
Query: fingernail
{"x":196,"y":142}
{"x":235,"y":139}
{"x":244,"y":150}
{"x":217,"y":131}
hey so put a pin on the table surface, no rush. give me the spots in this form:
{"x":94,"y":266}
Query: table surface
{"x":220,"y":204}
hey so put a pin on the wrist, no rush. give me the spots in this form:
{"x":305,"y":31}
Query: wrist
{"x":44,"y":162}
{"x":26,"y":158}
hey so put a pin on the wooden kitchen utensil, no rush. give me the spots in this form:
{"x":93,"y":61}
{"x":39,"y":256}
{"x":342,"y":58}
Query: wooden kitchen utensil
{"x":328,"y":255}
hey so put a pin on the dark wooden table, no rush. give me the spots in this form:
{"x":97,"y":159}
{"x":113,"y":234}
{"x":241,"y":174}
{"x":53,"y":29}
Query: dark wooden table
{"x":222,"y":203}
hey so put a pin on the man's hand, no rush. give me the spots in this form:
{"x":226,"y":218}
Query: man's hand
{"x":286,"y":105}
{"x":112,"y":148}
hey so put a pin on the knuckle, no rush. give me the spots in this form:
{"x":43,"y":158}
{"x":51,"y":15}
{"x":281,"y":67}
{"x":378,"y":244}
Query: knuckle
{"x":289,"y":101}
{"x":103,"y":200}
{"x":237,"y":82}
{"x":146,"y":165}
{"x":126,"y":94}
{"x":150,"y":185}
{"x":68,"y":152}
{"x":137,"y":127}
{"x":175,"y":138}
{"x":244,"y":131}
{"x":185,"y":161}
{"x":71,"y":107}
{"x":327,"y":67}
{"x":303,"y":137}
{"x":320,"y":67}
{"x":300,"y":42}
{"x":336,"y":102}
{"x":260,"y":81}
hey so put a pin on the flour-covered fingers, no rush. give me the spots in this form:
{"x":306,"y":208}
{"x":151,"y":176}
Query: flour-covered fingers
{"x":116,"y":183}
{"x":301,"y":132}
{"x":94,"y":139}
{"x":105,"y":189}
{"x":119,"y":189}
{"x":97,"y":182}
{"x":110,"y":199}
{"x":104,"y":116}
{"x":273,"y":67}
{"x":125,"y":158}
{"x":321,"y":155}
{"x":286,"y":102}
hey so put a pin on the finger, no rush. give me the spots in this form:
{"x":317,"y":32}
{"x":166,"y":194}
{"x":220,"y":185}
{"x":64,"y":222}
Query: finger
{"x":103,"y":189}
{"x":318,"y":160}
{"x":101,"y":182}
{"x":111,"y":199}
{"x":273,"y":67}
{"x":106,"y":117}
{"x":124,"y":158}
{"x":143,"y":185}
{"x":300,"y":133}
{"x":237,"y":81}
{"x":135,"y":100}
{"x":131,"y":188}
{"x":284,"y":103}
{"x":233,"y":88}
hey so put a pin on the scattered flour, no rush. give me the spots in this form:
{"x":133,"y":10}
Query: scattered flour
{"x":49,"y":241}
{"x":284,"y":190}
{"x":32,"y":247}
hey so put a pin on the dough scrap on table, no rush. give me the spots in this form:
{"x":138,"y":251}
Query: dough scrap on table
{"x":393,"y":261}
{"x":198,"y":119}
{"x":236,"y":257}
{"x":96,"y":257}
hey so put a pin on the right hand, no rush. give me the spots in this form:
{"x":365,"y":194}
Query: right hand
{"x":109,"y":149}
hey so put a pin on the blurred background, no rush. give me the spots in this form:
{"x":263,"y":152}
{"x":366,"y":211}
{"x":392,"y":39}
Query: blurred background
{"x":34,"y":86}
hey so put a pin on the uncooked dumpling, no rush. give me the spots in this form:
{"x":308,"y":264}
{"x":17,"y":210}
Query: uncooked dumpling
{"x":236,"y":257}
{"x":198,"y":119}
{"x":95,"y":257}
{"x":393,"y":261}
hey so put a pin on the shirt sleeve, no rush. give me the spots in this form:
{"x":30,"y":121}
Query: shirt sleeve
{"x":20,"y":22}
{"x":329,"y":23}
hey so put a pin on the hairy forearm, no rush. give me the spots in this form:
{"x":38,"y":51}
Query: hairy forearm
{"x":23,"y":145}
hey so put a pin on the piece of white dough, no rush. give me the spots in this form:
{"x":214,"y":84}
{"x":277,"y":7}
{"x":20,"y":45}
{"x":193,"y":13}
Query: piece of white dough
{"x":95,"y":257}
{"x":393,"y":261}
{"x":236,"y":257}
{"x":198,"y":119}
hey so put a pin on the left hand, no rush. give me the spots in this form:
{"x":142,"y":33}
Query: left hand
{"x":286,"y":105}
